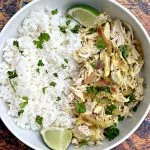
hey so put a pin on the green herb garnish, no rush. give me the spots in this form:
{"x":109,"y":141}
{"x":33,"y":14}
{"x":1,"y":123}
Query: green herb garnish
{"x":23,"y":104}
{"x":55,"y":74}
{"x":40,"y":63}
{"x":68,"y":22}
{"x":66,"y":61}
{"x":111,"y":132}
{"x":20,"y":112}
{"x":12,"y":85}
{"x":63,"y":66}
{"x":82,"y":143}
{"x":38,"y":70}
{"x":12,"y":74}
{"x":92,"y":30}
{"x":63,"y":29}
{"x":100,"y":43}
{"x":69,"y":16}
{"x":44,"y":90}
{"x":131,"y":98}
{"x":16,"y":43}
{"x":41,"y":39}
{"x":91,"y":90}
{"x":93,"y":65}
{"x":75,"y":29}
{"x":39,"y":120}
{"x":124,"y":51}
{"x":109,"y":109}
{"x":120,"y":118}
{"x":52,"y":84}
{"x":58,"y":98}
{"x":80,"y":107}
{"x":54,"y":12}
{"x":106,"y":89}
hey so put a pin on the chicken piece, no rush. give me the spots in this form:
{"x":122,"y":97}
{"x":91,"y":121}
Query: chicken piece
{"x":92,"y":78}
{"x":107,"y":30}
{"x":120,"y":98}
{"x":81,"y":132}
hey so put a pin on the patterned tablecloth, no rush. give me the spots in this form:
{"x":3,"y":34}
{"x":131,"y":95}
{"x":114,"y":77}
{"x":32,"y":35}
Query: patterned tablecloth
{"x":140,"y":140}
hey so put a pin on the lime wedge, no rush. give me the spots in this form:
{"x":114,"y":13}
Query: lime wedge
{"x":84,"y":14}
{"x":57,"y":138}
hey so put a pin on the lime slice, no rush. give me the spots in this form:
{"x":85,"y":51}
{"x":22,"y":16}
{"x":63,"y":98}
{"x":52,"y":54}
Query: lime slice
{"x":84,"y":14}
{"x":57,"y":138}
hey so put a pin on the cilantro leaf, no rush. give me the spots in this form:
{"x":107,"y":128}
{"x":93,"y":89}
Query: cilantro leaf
{"x":40,"y":63}
{"x":63,"y":29}
{"x":109,"y":109}
{"x":44,"y":90}
{"x":92,"y":30}
{"x":58,"y":98}
{"x":124,"y":51}
{"x":16,"y":43}
{"x":63,"y":66}
{"x":55,"y":74}
{"x":69,"y":16}
{"x":68,"y":22}
{"x":12,"y":74}
{"x":82,"y":143}
{"x":20,"y":112}
{"x":131,"y":98}
{"x":75,"y":29}
{"x":54,"y":12}
{"x":136,"y":107}
{"x":100,"y":43}
{"x":52,"y":84}
{"x":120,"y":118}
{"x":41,"y":39}
{"x":91,"y":90}
{"x":111,"y":132}
{"x":66,"y":61}
{"x":39,"y":120}
{"x":23,"y":104}
{"x":38,"y":70}
{"x":80,"y":107}
{"x":25,"y":98}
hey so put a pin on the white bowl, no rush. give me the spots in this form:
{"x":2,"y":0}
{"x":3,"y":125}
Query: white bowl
{"x":128,"y":126}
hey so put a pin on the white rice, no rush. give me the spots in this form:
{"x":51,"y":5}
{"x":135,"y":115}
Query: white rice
{"x":29,"y":82}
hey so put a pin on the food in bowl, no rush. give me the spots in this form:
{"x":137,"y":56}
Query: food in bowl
{"x":67,"y":75}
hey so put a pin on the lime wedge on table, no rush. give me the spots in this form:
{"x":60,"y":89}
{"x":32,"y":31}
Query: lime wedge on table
{"x":84,"y":14}
{"x":57,"y":138}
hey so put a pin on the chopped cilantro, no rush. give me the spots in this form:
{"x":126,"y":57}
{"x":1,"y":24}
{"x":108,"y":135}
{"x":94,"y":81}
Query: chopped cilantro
{"x":109,"y":109}
{"x":82,"y":143}
{"x":54,"y":12}
{"x":120,"y":118}
{"x":20,"y":112}
{"x":68,"y":78}
{"x":63,"y":29}
{"x":92,"y":30}
{"x":68,"y":22}
{"x":80,"y":107}
{"x":106,"y":89}
{"x":131,"y":98}
{"x":75,"y":29}
{"x":44,"y":90}
{"x":91,"y":90}
{"x":68,"y":16}
{"x":16,"y":43}
{"x":93,"y":65}
{"x":12,"y":74}
{"x":40,"y":63}
{"x":63,"y":66}
{"x":41,"y":39}
{"x":38,"y":70}
{"x":39,"y":120}
{"x":12,"y":85}
{"x":58,"y":98}
{"x":23,"y":104}
{"x":66,"y":61}
{"x":124,"y":51}
{"x":55,"y":74}
{"x":100,"y":43}
{"x":52,"y":84}
{"x":111,"y":132}
{"x":46,"y":71}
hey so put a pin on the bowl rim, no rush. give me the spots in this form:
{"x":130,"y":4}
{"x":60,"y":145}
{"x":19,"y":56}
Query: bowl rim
{"x":144,"y":115}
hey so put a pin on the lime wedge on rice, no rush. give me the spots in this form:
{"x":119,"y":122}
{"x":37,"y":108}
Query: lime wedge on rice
{"x":57,"y":138}
{"x":84,"y":14}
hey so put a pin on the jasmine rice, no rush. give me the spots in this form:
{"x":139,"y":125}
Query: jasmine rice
{"x":38,"y":68}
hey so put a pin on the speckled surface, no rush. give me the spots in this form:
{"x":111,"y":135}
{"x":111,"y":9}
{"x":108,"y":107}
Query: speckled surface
{"x":140,"y":140}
